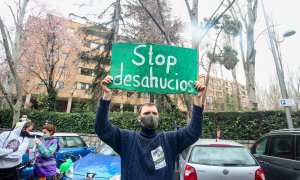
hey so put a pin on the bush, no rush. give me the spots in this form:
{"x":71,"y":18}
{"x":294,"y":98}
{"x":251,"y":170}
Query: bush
{"x":234,"y":125}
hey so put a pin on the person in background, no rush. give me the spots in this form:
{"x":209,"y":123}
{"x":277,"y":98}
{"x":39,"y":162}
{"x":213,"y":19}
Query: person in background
{"x":46,"y":153}
{"x":24,"y":118}
{"x":13,"y":145}
{"x":218,"y":134}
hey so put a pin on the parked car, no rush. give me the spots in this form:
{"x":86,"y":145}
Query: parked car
{"x":210,"y":160}
{"x":70,"y":143}
{"x":103,"y":163}
{"x":278,"y":153}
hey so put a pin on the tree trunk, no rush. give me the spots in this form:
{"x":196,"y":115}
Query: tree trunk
{"x":116,"y":20}
{"x":249,"y":57}
{"x":12,"y":60}
{"x":51,"y":101}
{"x":237,"y":90}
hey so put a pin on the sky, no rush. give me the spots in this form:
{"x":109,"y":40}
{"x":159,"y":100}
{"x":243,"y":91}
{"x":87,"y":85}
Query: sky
{"x":285,"y":15}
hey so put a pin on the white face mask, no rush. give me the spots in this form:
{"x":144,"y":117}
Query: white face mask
{"x":23,"y":119}
{"x":45,"y":136}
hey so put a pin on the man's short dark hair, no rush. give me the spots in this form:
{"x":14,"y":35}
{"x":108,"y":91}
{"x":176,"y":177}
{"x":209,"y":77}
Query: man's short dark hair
{"x":146,"y":104}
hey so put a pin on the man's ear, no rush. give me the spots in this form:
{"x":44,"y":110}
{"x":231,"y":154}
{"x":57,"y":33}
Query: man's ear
{"x":138,"y":118}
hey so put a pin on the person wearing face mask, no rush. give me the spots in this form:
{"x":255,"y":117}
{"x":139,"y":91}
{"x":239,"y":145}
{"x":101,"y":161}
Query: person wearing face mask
{"x":147,"y":154}
{"x":13,"y":145}
{"x":24,"y":118}
{"x":45,"y":168}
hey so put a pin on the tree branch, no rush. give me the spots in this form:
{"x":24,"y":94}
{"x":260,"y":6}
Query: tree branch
{"x":241,"y":14}
{"x":160,"y":13}
{"x":5,"y":96}
{"x":12,"y":13}
{"x":9,"y":36}
{"x":215,"y":21}
{"x":6,"y":47}
{"x":188,"y":7}
{"x":162,"y":30}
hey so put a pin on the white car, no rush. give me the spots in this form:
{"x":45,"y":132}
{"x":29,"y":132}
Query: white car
{"x":223,"y":160}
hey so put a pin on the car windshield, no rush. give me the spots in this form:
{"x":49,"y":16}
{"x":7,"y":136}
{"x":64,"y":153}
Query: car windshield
{"x":104,"y":149}
{"x":222,"y":156}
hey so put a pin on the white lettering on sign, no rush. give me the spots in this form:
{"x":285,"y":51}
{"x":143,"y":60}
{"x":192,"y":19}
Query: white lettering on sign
{"x":153,"y":81}
{"x":159,"y":59}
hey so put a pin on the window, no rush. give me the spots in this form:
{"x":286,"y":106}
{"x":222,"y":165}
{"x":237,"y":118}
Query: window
{"x":70,"y":30}
{"x":221,"y":156}
{"x":81,"y":85}
{"x":74,"y":141}
{"x":27,"y":83}
{"x":87,"y":72}
{"x":61,"y":70}
{"x":45,"y":82}
{"x":62,"y":142}
{"x":130,"y":93}
{"x":298,"y":148}
{"x":281,"y":146}
{"x":185,"y":152}
{"x":102,"y":48}
{"x":145,"y":95}
{"x":260,"y":147}
{"x":59,"y":85}
{"x":115,"y":91}
{"x":86,"y":44}
{"x":64,"y":56}
{"x":104,"y":149}
{"x":94,"y":45}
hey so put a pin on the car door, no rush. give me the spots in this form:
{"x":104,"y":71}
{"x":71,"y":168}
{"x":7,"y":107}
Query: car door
{"x":63,"y":150}
{"x":280,"y":159}
{"x":297,"y":162}
{"x":259,"y":151}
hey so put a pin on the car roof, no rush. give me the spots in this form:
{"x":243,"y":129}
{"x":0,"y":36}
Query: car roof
{"x":219,"y":142}
{"x":285,"y":131}
{"x":57,"y":134}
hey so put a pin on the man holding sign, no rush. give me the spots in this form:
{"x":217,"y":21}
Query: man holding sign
{"x":148,"y":155}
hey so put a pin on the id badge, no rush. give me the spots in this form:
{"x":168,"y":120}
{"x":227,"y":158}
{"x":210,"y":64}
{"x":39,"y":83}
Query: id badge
{"x":158,"y":157}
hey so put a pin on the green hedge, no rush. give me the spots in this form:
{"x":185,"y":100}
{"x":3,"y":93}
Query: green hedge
{"x":234,"y":125}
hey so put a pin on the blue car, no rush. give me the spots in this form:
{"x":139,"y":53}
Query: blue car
{"x":71,"y":143}
{"x":102,"y":164}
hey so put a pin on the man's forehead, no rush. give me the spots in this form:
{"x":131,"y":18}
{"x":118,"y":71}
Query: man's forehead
{"x":147,"y":108}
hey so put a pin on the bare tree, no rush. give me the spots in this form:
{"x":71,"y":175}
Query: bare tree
{"x":248,"y":19}
{"x":49,"y":53}
{"x":12,"y":48}
{"x":293,"y":84}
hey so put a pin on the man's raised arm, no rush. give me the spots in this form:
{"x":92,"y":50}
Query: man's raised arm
{"x":191,"y":133}
{"x":107,"y":132}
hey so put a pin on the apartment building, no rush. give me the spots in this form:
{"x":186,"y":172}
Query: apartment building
{"x":221,"y":92}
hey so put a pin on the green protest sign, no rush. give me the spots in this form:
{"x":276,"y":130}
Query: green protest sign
{"x":154,"y":68}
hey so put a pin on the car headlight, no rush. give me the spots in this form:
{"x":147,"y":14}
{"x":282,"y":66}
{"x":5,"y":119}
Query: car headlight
{"x":117,"y":177}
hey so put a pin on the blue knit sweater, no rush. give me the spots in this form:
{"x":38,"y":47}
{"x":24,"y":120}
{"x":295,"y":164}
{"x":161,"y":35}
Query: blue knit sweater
{"x":138,"y":151}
